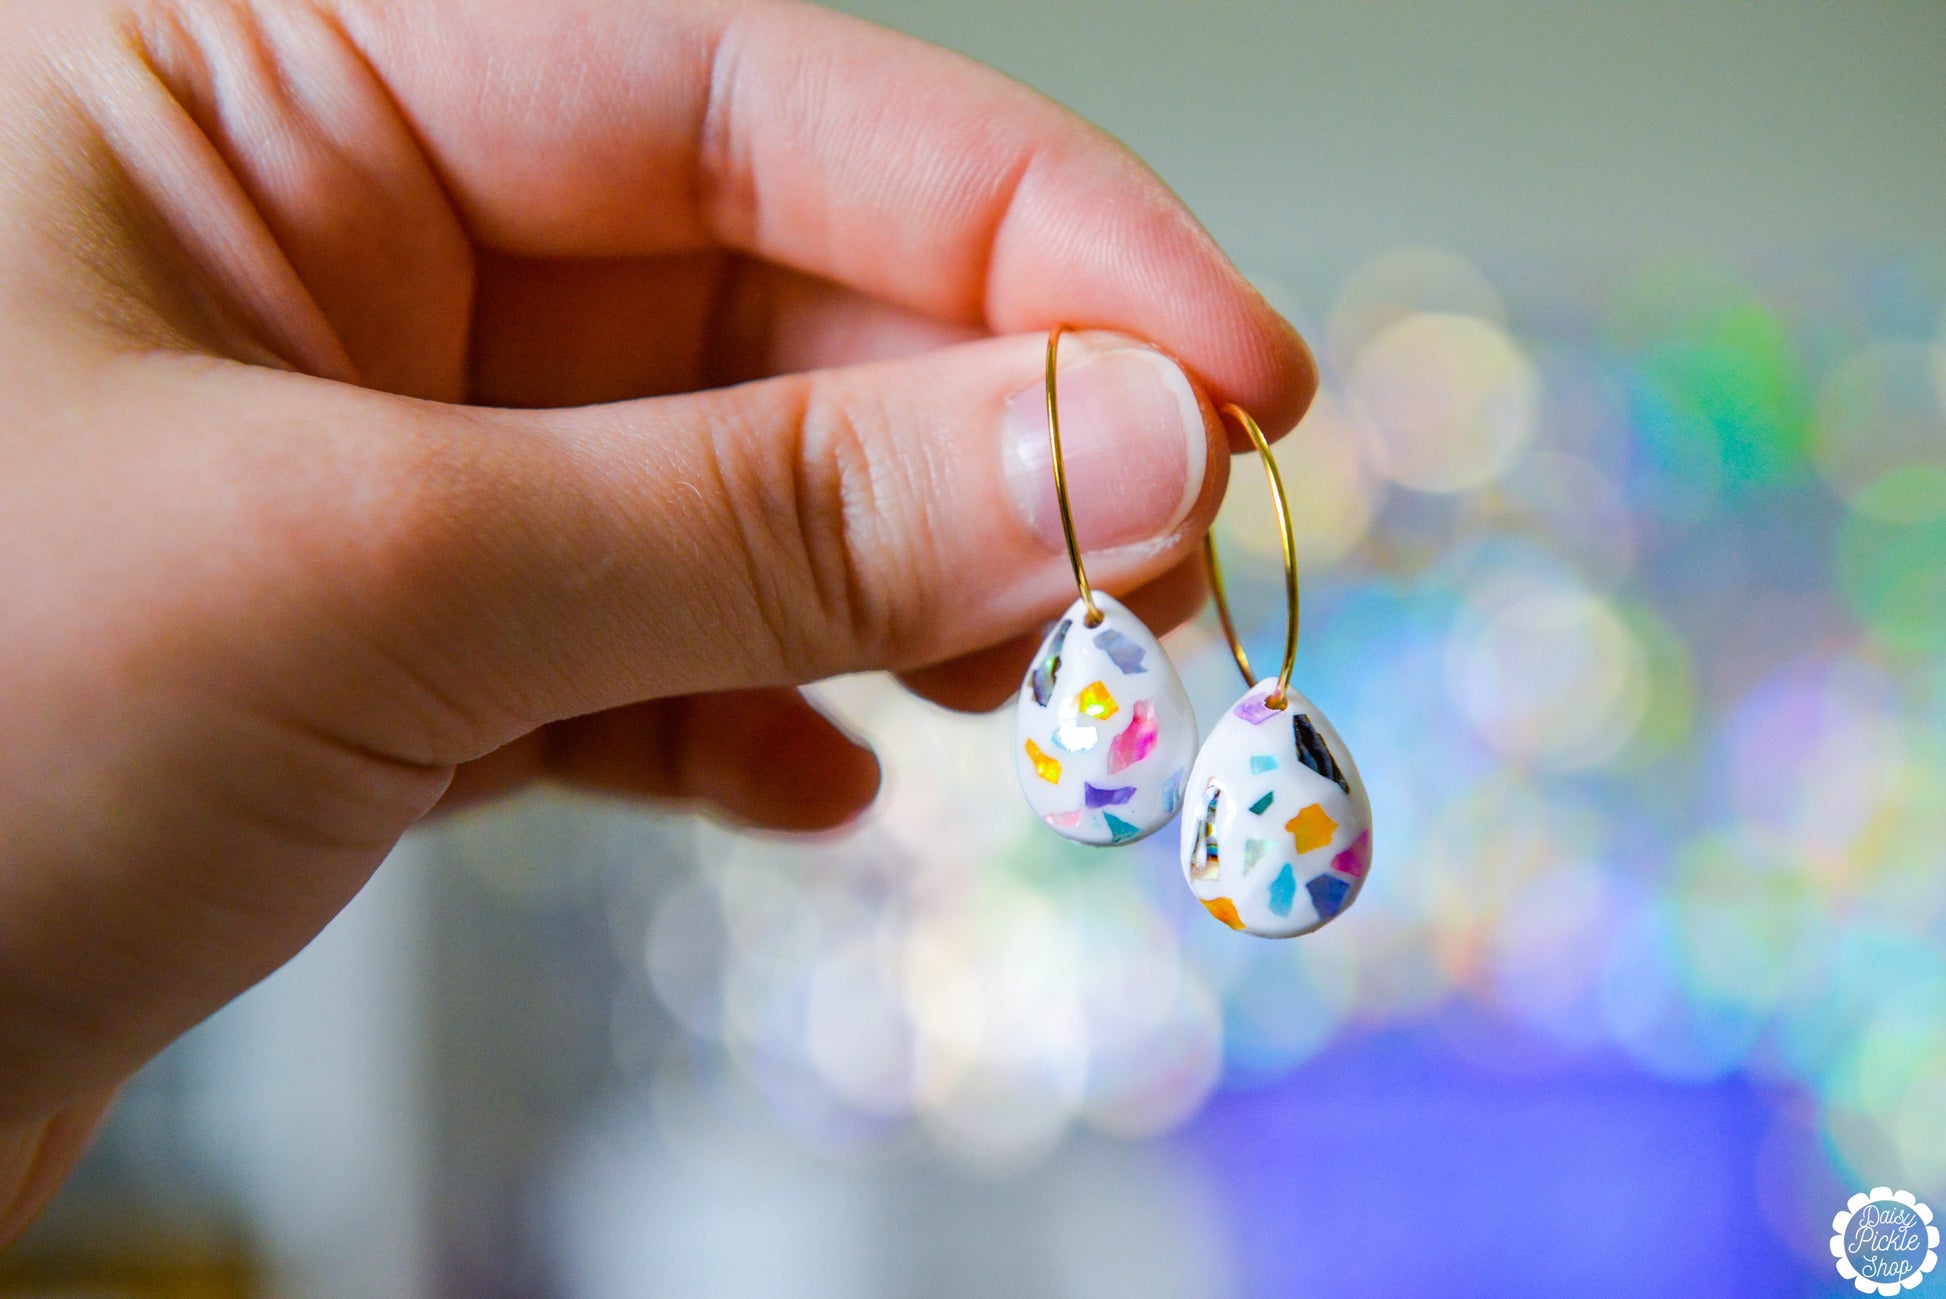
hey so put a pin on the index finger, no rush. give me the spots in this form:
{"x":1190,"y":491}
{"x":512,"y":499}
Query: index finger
{"x":604,"y":128}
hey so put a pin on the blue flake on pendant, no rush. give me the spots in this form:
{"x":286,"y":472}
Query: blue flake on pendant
{"x":1173,"y":791}
{"x":1327,"y":894}
{"x":1283,"y":891}
{"x":1119,"y":831}
{"x":1125,"y":653}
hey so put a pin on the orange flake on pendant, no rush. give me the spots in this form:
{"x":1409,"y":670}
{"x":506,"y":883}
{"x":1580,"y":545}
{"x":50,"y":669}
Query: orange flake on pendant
{"x":1225,"y":910}
{"x":1096,"y":702}
{"x":1046,"y":765}
{"x":1311,"y":828}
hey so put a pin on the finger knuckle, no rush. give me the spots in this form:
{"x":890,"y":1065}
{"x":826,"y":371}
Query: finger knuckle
{"x":821,"y":544}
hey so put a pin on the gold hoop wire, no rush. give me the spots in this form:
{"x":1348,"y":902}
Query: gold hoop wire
{"x":1061,"y":482}
{"x":1280,"y":696}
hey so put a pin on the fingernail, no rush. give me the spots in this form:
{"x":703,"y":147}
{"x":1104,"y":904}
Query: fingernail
{"x":1132,"y":440}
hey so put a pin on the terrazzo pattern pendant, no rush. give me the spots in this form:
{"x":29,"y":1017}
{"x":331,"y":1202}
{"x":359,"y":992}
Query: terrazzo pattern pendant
{"x":1282,"y":832}
{"x":1103,"y":732}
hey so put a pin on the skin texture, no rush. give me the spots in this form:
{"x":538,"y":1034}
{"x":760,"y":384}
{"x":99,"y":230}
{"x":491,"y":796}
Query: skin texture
{"x":406,"y":401}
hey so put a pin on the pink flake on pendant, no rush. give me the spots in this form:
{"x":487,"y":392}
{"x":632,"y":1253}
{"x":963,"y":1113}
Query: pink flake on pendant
{"x":1063,"y":820}
{"x":1136,"y":742}
{"x":1353,"y":860}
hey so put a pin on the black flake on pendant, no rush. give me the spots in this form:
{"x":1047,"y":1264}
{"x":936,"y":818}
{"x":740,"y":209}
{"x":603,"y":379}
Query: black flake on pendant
{"x":1315,"y":754}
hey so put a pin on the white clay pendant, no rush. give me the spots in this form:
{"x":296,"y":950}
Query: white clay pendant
{"x":1103,"y":734}
{"x":1277,"y":834}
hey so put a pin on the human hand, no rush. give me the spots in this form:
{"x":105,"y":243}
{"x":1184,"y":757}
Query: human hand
{"x":409,"y":400}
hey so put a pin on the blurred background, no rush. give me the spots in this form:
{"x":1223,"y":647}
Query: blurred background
{"x":1623,"y":511}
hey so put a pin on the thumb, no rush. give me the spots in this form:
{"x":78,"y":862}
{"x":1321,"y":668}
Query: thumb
{"x":538,"y":565}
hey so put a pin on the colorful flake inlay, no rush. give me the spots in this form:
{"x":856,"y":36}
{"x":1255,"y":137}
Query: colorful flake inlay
{"x":1353,"y":860}
{"x":1073,"y":737}
{"x":1050,"y":665}
{"x":1315,"y":754}
{"x":1096,"y":702}
{"x":1125,"y":653}
{"x":1288,"y":839}
{"x":1254,"y":710}
{"x":1046,"y":765}
{"x":1311,"y":829}
{"x":1225,"y":910}
{"x":1137,"y":739}
{"x":1283,"y":891}
{"x":1204,"y":863}
{"x":1095,"y":796}
{"x":1327,"y":894}
{"x":1102,"y":724}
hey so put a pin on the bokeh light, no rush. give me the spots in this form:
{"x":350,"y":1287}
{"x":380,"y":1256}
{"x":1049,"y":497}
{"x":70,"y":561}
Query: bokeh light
{"x":1546,"y":671}
{"x":1334,"y":491}
{"x":1716,"y":389}
{"x":1893,"y":576}
{"x":1638,"y":627}
{"x":1881,"y":432}
{"x":1407,"y":282}
{"x":1450,"y":399}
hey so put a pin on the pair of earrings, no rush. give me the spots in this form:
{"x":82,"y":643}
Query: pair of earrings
{"x":1276,"y":833}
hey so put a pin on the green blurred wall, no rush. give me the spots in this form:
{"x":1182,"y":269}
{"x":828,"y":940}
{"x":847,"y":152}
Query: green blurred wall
{"x":1310,"y":135}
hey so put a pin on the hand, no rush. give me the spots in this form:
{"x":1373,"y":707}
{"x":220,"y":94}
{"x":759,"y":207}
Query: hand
{"x":408,"y":400}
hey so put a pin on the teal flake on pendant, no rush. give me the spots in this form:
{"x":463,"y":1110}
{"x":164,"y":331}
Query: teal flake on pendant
{"x":1262,"y":762}
{"x":1283,"y":891}
{"x":1262,"y":805}
{"x":1119,"y":831}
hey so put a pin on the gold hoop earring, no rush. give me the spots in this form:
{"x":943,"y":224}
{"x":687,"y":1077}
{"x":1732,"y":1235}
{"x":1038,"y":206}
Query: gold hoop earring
{"x":1278,"y":838}
{"x":1103,"y":731}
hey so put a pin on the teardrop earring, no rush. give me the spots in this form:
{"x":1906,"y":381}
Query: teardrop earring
{"x":1278,"y":834}
{"x":1103,"y":732}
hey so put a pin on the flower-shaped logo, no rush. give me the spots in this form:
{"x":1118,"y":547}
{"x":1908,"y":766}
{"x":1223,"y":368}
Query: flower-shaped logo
{"x":1884,"y":1241}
